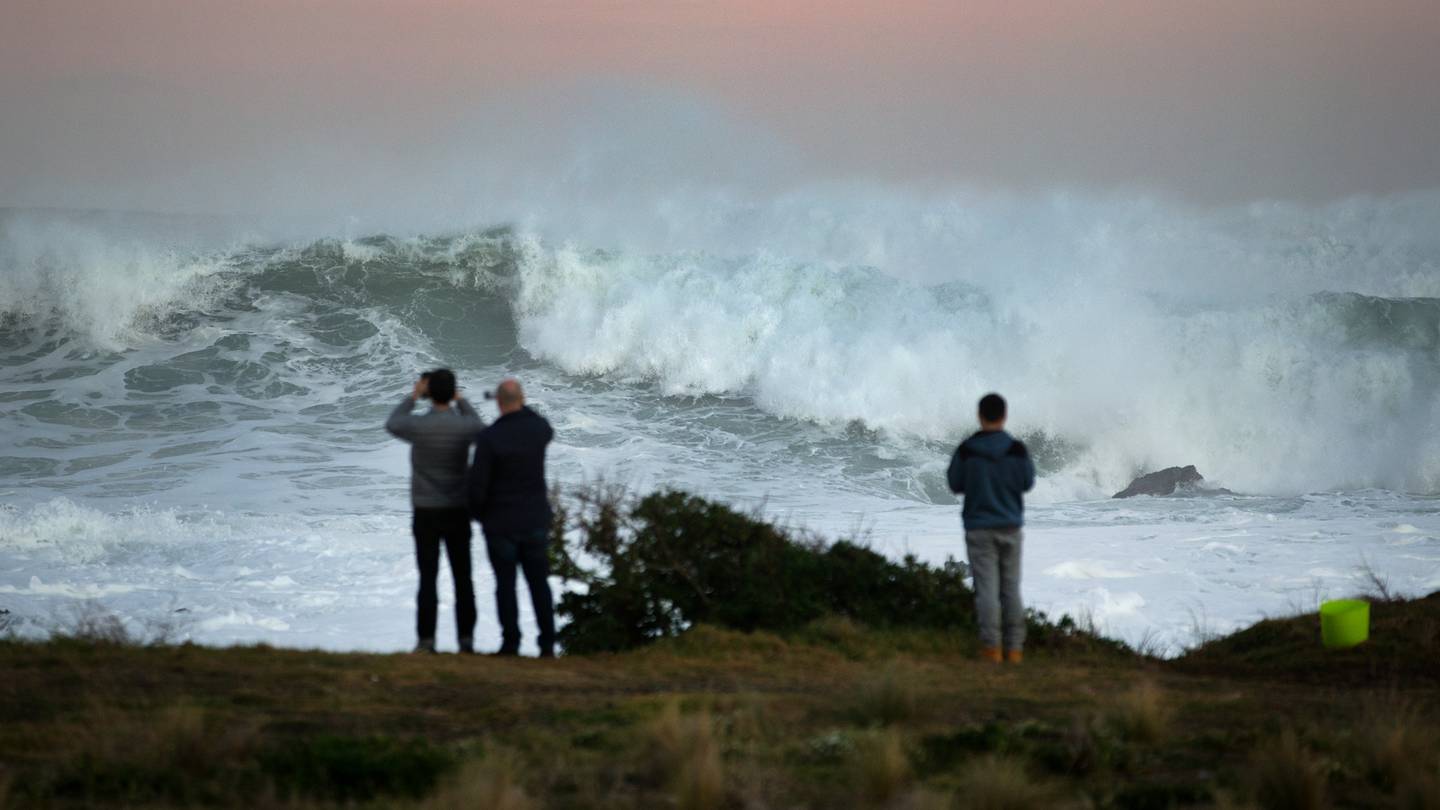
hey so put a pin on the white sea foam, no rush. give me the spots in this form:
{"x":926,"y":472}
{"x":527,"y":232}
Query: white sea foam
{"x":1087,"y":569}
{"x":347,"y":582}
{"x":82,"y":590}
{"x":63,"y":530}
{"x":111,"y":289}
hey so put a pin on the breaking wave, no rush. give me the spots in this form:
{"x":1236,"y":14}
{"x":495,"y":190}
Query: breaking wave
{"x":1280,"y":349}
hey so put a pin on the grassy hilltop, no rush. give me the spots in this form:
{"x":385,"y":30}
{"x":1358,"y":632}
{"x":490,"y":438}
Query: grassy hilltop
{"x":828,"y":711}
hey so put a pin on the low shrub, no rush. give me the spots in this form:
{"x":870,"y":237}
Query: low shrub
{"x":351,"y":769}
{"x":1284,"y":776}
{"x":1160,"y":795}
{"x":651,"y":568}
{"x":1000,"y":783}
{"x":1065,"y":634}
{"x":890,"y":697}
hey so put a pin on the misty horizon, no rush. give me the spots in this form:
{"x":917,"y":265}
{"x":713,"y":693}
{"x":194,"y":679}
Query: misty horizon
{"x":411,"y":112}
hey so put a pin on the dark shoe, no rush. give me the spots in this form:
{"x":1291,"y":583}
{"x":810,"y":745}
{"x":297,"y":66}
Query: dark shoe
{"x":505,"y":652}
{"x":426,"y":646}
{"x":467,"y":646}
{"x":547,"y":653}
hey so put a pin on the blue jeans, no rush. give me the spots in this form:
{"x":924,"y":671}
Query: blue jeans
{"x":995,"y":564}
{"x":526,"y":551}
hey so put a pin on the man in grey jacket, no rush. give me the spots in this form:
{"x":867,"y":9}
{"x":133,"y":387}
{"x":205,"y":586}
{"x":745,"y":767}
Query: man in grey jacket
{"x":440,"y":441}
{"x":993,"y":470}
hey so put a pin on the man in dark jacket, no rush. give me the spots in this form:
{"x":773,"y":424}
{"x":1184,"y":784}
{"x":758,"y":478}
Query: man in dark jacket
{"x":992,"y":470}
{"x":439,"y":447}
{"x":508,"y":496}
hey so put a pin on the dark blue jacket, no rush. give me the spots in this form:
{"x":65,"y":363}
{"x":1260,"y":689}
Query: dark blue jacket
{"x":992,"y":469}
{"x":506,"y":485}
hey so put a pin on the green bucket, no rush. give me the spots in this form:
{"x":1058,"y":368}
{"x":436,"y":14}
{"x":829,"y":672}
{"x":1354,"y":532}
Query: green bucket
{"x":1344,"y":623}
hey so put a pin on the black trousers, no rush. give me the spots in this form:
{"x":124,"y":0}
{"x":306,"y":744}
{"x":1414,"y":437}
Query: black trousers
{"x":452,"y":528}
{"x":527,"y":551}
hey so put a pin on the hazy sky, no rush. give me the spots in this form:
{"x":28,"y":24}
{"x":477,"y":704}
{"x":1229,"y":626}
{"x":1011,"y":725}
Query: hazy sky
{"x":234,"y":105}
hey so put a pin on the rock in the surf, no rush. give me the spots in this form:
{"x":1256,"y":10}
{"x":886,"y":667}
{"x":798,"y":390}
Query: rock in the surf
{"x":1164,"y":482}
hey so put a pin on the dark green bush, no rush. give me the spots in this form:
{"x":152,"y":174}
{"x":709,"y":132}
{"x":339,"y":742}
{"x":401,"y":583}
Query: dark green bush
{"x":1044,"y":633}
{"x":355,"y":768}
{"x":651,"y":568}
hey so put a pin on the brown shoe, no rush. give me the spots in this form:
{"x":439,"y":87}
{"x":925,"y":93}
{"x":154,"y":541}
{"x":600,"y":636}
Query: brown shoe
{"x":1014,"y":656}
{"x":991,"y":654}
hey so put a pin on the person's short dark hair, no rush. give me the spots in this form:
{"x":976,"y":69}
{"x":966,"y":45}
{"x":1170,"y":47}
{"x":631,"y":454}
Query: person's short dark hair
{"x":992,"y":407}
{"x":442,"y":386}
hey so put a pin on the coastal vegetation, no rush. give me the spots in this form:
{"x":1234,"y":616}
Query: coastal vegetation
{"x":729,"y":663}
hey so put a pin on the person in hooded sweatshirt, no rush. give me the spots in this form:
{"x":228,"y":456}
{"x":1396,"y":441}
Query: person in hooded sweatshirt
{"x":993,"y":470}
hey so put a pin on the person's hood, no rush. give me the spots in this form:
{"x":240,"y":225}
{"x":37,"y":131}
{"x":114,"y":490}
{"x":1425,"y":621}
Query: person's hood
{"x":990,"y":443}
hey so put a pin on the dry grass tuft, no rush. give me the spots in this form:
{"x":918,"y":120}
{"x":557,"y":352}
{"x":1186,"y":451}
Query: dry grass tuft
{"x":998,"y":783}
{"x":838,"y":631}
{"x":921,"y":799}
{"x":91,"y":623}
{"x":180,"y":753}
{"x":489,"y":784}
{"x":1224,"y":800}
{"x":1395,"y":743}
{"x":1284,"y":776}
{"x":882,"y":771}
{"x":891,"y":698}
{"x":181,"y":737}
{"x":1419,"y":791}
{"x":1377,"y":585}
{"x":1140,"y":714}
{"x":688,"y":756}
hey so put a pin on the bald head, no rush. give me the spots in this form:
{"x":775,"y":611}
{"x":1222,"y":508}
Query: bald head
{"x":509,"y":395}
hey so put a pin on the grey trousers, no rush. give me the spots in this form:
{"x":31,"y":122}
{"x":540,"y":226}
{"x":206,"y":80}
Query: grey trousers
{"x":995,"y":564}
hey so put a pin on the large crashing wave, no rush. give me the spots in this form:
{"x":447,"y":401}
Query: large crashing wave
{"x":111,"y":291}
{"x":1279,"y":349}
{"x":1327,"y":390}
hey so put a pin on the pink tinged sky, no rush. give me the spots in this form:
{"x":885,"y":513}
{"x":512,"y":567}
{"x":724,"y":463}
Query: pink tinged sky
{"x":171,"y":103}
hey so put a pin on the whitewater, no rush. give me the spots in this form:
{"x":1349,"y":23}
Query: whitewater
{"x":192,"y":426}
